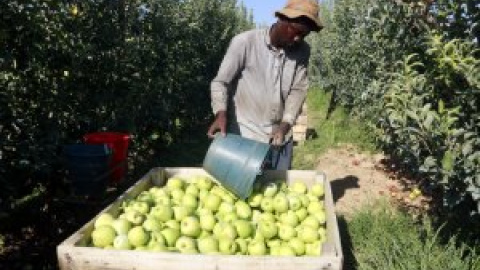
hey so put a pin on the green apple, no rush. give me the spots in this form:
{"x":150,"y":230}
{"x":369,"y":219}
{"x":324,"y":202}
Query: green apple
{"x":308,"y":234}
{"x":274,"y":251}
{"x":313,"y":249}
{"x":305,"y":200}
{"x":294,"y":202}
{"x":162,"y":200}
{"x":190,"y":226}
{"x":286,"y":232}
{"x":268,"y":229}
{"x":229,"y":217}
{"x":242,"y":246}
{"x":322,"y":234}
{"x":186,"y":244}
{"x":104,"y":219}
{"x":267,"y":216}
{"x":158,"y":192}
{"x":218,"y":190}
{"x":311,"y":221}
{"x":177,"y":196}
{"x":227,"y":246}
{"x":121,"y":242}
{"x":256,"y":216}
{"x":267,"y":204}
{"x":204,"y":183}
{"x":145,"y":196}
{"x":212,"y":202}
{"x":137,"y":236}
{"x":285,"y":250}
{"x":173,"y":223}
{"x":317,"y":189}
{"x":244,"y":228}
{"x":121,"y":226}
{"x":202,"y":194}
{"x":151,"y":224}
{"x":274,"y":243}
{"x":180,"y":212}
{"x":280,"y":202}
{"x":299,"y":187}
{"x":103,"y":236}
{"x":171,"y":235}
{"x":301,"y":213}
{"x":135,"y":217}
{"x":207,"y":245}
{"x":192,"y":190}
{"x":321,"y":217}
{"x":156,"y":246}
{"x":257,"y":248}
{"x":190,"y":200}
{"x":254,"y":200}
{"x":204,"y":234}
{"x":175,"y":183}
{"x":157,"y":237}
{"x":226,"y":207}
{"x":312,"y":198}
{"x":270,"y":189}
{"x":207,"y":221}
{"x":297,"y":245}
{"x":162,"y":212}
{"x":315,"y":207}
{"x":224,"y":230}
{"x":289,"y":218}
{"x":141,"y":207}
{"x":243,"y":210}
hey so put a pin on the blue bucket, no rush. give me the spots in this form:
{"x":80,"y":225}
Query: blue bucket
{"x":236,"y":162}
{"x":88,"y":168}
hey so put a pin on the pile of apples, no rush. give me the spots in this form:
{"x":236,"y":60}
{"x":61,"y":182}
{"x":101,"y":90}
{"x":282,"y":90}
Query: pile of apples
{"x":196,"y":215}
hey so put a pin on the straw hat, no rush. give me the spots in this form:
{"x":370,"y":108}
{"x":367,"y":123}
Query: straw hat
{"x":297,"y":8}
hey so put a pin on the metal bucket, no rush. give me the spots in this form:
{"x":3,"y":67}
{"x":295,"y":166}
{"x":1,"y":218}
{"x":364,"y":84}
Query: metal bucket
{"x":236,"y":162}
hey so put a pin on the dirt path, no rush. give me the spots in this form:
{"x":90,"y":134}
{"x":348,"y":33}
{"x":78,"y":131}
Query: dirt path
{"x":356,"y":178}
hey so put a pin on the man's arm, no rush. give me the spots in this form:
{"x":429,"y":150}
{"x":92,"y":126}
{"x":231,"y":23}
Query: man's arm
{"x":232,"y":64}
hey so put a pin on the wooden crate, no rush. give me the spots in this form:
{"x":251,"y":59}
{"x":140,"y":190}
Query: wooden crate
{"x":73,"y":254}
{"x":299,"y":130}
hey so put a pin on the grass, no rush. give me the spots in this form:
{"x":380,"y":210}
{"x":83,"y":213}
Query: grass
{"x":385,"y":238}
{"x":340,"y":128}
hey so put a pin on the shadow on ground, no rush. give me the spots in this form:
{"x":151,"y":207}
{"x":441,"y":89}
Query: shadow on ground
{"x":340,"y":185}
{"x":349,"y":261}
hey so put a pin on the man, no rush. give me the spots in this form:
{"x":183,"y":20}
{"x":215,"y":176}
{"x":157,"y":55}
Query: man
{"x":262,"y":82}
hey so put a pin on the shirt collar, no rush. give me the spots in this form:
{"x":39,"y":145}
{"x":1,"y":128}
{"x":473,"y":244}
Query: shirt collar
{"x":268,"y":41}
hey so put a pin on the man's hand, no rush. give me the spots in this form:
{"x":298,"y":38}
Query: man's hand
{"x":278,"y":134}
{"x":220,"y":123}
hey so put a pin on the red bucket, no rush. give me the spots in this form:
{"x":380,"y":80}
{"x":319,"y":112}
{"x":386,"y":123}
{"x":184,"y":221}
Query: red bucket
{"x":118,"y":143}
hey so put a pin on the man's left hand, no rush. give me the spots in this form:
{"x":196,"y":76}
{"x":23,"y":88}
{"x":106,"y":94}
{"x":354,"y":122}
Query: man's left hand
{"x":278,"y":134}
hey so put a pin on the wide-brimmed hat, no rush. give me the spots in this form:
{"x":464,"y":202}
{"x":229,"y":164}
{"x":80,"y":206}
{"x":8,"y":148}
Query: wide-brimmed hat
{"x":298,"y":8}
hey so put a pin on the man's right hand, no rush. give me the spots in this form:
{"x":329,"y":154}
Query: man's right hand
{"x":220,"y":123}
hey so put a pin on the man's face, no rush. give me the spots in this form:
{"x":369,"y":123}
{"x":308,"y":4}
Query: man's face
{"x":293,"y":33}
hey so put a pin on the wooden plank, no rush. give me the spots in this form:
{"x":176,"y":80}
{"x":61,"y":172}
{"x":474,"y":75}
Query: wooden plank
{"x":73,"y":254}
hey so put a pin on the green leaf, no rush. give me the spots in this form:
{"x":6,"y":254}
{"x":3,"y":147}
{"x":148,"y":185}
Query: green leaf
{"x":448,"y":161}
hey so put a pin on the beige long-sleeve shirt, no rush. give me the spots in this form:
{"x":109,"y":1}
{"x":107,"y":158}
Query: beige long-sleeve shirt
{"x":259,"y":85}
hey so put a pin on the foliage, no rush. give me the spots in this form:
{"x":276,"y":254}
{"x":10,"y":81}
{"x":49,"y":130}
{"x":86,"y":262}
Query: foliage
{"x":339,"y":129}
{"x":384,"y":238}
{"x":73,"y":67}
{"x":411,"y":69}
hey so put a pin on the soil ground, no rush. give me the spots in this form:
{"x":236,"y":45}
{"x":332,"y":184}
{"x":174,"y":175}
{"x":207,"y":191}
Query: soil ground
{"x":358,"y":178}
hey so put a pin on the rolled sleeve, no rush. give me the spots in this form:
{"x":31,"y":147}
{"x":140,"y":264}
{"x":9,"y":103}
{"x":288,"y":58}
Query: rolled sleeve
{"x":231,"y":66}
{"x":297,"y":95}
